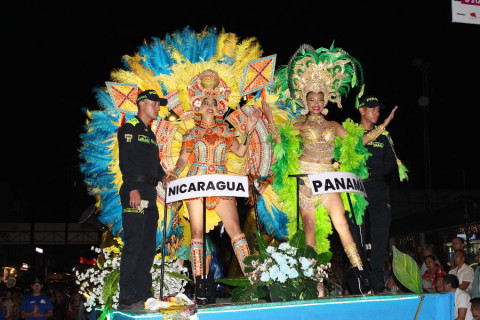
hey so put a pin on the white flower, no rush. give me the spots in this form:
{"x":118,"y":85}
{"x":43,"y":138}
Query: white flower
{"x":308,"y":272}
{"x":305,"y":263}
{"x":265,"y":277}
{"x":292,"y":274}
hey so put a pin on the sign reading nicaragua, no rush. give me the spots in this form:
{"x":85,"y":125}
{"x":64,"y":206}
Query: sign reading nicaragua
{"x":209,"y":185}
{"x":333,"y":182}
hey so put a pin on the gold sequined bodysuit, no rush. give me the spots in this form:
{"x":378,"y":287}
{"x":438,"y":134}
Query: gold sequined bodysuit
{"x":318,"y":139}
{"x":318,"y":143}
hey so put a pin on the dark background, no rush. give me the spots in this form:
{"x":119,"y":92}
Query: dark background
{"x":57,"y":52}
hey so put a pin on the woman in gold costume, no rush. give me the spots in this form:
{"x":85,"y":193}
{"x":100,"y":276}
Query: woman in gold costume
{"x":315,"y":77}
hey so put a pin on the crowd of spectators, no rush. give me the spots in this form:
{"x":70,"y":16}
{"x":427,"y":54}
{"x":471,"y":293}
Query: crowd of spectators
{"x":460,"y":274}
{"x":57,"y":301}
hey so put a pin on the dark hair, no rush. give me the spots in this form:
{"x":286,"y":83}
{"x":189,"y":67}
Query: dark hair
{"x":452,"y":280}
{"x":431,"y":256}
{"x":475,"y":302}
{"x":459,"y":238}
{"x":429,"y":247}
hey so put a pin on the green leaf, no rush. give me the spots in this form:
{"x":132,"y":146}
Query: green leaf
{"x":298,"y":239}
{"x":110,"y":286}
{"x":250,"y":293}
{"x":280,"y":290}
{"x":248,"y":260}
{"x":310,"y":291}
{"x":248,"y":269}
{"x":307,"y":252}
{"x":236,"y":282}
{"x":407,"y":271}
{"x":262,"y":246}
{"x":177,"y":275}
{"x":324,"y":257}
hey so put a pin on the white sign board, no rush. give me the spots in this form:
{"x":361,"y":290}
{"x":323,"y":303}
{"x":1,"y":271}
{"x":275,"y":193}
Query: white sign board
{"x":208,"y":185}
{"x":333,"y":182}
{"x":466,"y":11}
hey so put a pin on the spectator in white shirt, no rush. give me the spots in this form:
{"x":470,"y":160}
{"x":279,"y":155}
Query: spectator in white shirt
{"x":462,"y":298}
{"x":463,"y":271}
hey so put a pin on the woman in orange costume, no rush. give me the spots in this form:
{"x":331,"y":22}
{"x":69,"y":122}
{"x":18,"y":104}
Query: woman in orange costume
{"x":209,"y":141}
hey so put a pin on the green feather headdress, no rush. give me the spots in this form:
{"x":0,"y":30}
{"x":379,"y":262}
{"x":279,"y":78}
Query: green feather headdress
{"x":331,"y":71}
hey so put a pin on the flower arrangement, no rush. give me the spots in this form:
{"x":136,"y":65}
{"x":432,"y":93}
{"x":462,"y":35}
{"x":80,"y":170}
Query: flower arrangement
{"x":289,"y":271}
{"x":100,"y":285}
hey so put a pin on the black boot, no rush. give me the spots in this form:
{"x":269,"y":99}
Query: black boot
{"x":201,"y":291}
{"x":362,"y":280}
{"x":211,"y":289}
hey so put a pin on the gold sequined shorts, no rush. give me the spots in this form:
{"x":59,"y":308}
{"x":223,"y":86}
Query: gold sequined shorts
{"x":308,"y":200}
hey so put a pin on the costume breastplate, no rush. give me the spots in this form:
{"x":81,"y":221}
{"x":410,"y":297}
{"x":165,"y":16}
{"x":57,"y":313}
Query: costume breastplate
{"x":318,"y":138}
{"x":210,"y":149}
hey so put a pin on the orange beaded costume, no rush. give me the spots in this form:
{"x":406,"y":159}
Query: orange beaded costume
{"x":209,"y":145}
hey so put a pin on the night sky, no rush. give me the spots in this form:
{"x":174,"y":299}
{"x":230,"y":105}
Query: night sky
{"x":57,"y":52}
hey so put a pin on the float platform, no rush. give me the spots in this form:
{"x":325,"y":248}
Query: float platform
{"x":438,"y":306}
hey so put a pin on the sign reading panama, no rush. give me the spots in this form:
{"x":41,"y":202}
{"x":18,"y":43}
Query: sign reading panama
{"x":209,"y":185}
{"x":332,"y":182}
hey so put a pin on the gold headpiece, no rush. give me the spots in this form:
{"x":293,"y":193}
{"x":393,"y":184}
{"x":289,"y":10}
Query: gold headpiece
{"x":325,"y":77}
{"x":209,"y":79}
{"x":209,"y":84}
{"x":332,"y":72}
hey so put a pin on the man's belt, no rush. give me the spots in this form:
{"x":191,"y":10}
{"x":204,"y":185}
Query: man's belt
{"x":145,"y":179}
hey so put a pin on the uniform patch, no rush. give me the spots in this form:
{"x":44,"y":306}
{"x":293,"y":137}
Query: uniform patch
{"x":128,"y":137}
{"x":132,"y":210}
{"x":376,"y":144}
{"x":146,"y":139}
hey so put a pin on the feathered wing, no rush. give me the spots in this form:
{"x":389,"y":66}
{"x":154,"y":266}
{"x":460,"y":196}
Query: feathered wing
{"x":352,"y":157}
{"x":99,"y":153}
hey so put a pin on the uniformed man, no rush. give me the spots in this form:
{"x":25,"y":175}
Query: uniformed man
{"x":141,"y":172}
{"x":381,"y":162}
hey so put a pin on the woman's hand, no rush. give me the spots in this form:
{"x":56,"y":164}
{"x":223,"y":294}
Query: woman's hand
{"x":390,"y":117}
{"x":267,"y":111}
{"x":169,"y":178}
{"x":252,"y":119}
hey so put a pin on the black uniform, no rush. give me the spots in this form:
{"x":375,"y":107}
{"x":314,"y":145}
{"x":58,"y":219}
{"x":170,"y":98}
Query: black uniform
{"x":141,"y":170}
{"x":380,"y":163}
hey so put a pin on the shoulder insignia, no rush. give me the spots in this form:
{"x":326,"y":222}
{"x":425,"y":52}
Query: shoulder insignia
{"x":134,"y":121}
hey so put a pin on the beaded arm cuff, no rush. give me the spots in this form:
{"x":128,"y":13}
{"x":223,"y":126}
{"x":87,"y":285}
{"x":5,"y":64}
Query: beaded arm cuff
{"x":175,"y":172}
{"x":247,"y":138}
{"x":376,"y":132}
{"x":274,"y":130}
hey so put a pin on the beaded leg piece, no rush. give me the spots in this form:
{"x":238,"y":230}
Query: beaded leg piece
{"x":356,"y":261}
{"x":196,"y":256}
{"x":240,"y":247}
{"x":353,"y":256}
